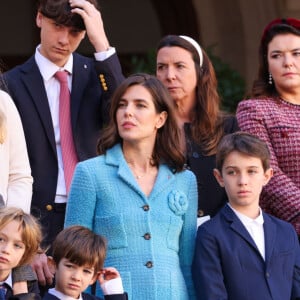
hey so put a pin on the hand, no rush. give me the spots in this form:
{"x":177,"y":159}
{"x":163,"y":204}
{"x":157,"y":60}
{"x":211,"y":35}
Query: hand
{"x":93,"y":23}
{"x":44,"y":271}
{"x":107,"y":274}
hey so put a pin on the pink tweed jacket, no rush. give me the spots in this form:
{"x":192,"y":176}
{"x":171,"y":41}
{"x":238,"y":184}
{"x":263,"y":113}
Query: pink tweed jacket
{"x":278,"y":123}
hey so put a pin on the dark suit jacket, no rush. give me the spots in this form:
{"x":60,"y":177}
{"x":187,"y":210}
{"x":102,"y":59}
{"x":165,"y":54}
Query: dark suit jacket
{"x":89,"y":109}
{"x":86,"y":296}
{"x":228,"y":265}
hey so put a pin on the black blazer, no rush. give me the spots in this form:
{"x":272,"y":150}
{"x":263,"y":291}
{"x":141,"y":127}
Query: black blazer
{"x":92,"y":86}
{"x":86,"y":296}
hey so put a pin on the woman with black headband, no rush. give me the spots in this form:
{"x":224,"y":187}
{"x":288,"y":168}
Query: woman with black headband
{"x":273,"y":114}
{"x":185,"y":69}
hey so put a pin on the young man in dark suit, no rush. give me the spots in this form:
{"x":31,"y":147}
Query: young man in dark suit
{"x":36,"y":92}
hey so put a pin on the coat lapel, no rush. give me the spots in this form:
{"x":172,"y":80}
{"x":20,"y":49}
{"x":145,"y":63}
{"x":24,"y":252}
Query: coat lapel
{"x":237,"y":226}
{"x":165,"y":177}
{"x":80,"y":79}
{"x":114,"y":157}
{"x":270,"y":237}
{"x":34,"y":84}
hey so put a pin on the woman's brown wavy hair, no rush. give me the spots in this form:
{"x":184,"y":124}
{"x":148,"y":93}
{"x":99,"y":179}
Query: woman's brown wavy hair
{"x":207,"y":121}
{"x":167,"y":145}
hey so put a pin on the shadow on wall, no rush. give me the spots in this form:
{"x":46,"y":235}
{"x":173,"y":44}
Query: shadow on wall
{"x":231,"y":85}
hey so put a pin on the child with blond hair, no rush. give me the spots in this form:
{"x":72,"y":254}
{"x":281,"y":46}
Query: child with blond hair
{"x":20,"y":237}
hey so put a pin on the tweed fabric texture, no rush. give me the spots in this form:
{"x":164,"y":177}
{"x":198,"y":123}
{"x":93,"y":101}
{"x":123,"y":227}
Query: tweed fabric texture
{"x":278,"y":123}
{"x":150,"y":239}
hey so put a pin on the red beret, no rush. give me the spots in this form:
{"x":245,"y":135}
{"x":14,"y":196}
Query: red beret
{"x":288,"y":21}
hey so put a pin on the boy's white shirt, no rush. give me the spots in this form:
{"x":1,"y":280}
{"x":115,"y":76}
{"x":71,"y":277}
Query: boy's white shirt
{"x":8,"y":280}
{"x":255,"y":227}
{"x":113,"y":286}
{"x":110,"y":287}
{"x":60,"y":295}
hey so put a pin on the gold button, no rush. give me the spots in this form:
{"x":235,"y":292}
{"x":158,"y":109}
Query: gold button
{"x":105,"y":88}
{"x":200,"y":213}
{"x":101,"y":76}
{"x":49,"y":207}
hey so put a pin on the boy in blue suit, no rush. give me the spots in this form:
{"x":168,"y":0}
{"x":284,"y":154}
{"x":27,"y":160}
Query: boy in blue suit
{"x":244,"y":253}
{"x":78,"y":257}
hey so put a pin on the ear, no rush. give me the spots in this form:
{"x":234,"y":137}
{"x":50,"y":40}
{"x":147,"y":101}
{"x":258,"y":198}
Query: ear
{"x":161,"y":119}
{"x":38,"y":19}
{"x":268,"y":175}
{"x":219,"y":177}
{"x":51,"y":264}
{"x":92,"y":281}
{"x":83,"y":34}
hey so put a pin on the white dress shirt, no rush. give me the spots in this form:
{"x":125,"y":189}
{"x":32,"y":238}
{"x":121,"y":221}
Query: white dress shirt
{"x":52,"y":87}
{"x":110,"y":287}
{"x":255,"y":228}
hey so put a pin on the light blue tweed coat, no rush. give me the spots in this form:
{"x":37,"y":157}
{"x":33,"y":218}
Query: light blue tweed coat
{"x":151,"y":248}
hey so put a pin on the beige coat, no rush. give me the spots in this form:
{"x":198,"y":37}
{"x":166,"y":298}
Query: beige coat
{"x":15,"y":174}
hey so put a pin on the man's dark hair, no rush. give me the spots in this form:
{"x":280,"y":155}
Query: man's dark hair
{"x":60,"y":12}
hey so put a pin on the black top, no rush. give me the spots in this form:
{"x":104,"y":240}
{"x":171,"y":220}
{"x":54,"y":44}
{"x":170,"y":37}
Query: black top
{"x":211,"y":197}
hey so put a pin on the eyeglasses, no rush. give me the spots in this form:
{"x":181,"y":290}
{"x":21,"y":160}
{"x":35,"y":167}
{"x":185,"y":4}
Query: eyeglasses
{"x":288,"y":21}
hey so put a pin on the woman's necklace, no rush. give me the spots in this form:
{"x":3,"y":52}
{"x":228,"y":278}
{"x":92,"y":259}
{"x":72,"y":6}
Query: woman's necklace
{"x":137,"y":175}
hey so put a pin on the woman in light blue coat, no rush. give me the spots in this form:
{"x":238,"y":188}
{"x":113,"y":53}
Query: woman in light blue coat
{"x":138,"y":194}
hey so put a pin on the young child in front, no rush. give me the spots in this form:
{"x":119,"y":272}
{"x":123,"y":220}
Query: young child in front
{"x":244,"y":253}
{"x":20,"y":236}
{"x":78,"y":257}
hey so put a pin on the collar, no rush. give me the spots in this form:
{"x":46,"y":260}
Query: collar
{"x":47,"y":67}
{"x":8,"y":281}
{"x":62,"y":296}
{"x":246,"y":220}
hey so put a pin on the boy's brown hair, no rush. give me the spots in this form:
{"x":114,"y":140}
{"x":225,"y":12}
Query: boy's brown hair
{"x":60,"y":12}
{"x":31,"y":231}
{"x":244,"y":143}
{"x":80,"y":246}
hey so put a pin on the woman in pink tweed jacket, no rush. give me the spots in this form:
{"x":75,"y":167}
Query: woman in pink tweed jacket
{"x":273,"y":114}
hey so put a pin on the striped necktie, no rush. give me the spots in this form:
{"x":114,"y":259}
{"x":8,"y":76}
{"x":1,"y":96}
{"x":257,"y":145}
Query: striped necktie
{"x":69,"y":155}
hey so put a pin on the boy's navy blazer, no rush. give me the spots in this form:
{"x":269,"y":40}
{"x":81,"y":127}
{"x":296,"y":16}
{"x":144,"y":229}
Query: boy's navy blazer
{"x":92,"y":86}
{"x":229,"y":263}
